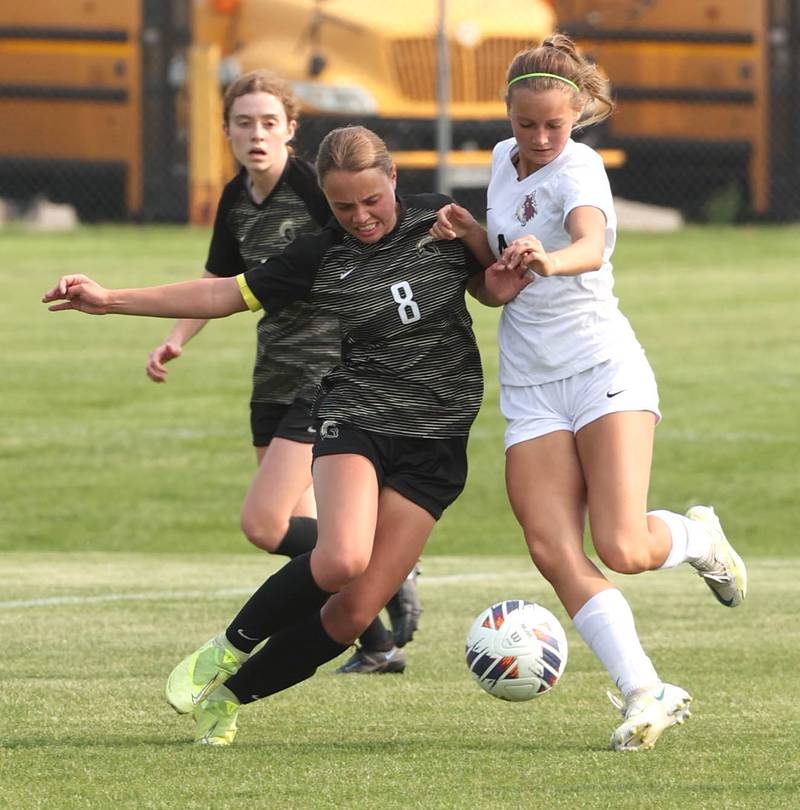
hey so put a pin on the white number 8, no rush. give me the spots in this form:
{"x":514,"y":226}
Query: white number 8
{"x":408,"y":309}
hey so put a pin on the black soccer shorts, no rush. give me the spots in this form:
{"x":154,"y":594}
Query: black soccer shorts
{"x":429,"y":472}
{"x":270,"y":420}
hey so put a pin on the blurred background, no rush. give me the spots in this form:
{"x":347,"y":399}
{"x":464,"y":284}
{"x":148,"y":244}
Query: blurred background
{"x":113,"y":110}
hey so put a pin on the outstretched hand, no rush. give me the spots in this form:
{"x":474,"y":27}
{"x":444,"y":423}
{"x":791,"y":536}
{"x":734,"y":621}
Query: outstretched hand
{"x":78,"y":292}
{"x":452,"y":222}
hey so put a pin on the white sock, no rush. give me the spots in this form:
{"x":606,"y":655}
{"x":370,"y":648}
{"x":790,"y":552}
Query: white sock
{"x":606,"y":624}
{"x":691,"y":540}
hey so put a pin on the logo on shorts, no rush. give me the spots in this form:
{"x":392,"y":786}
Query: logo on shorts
{"x":329,"y":429}
{"x":610,"y":394}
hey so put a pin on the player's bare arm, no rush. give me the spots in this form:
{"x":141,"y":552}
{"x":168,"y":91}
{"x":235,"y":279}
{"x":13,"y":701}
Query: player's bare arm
{"x":586,"y":227}
{"x":180,"y":334}
{"x":201,"y":298}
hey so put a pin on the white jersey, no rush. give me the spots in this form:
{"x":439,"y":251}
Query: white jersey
{"x":560,"y":325}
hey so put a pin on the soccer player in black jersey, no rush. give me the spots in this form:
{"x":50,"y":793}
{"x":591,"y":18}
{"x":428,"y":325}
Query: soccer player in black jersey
{"x":390,"y":454}
{"x":274,"y":198}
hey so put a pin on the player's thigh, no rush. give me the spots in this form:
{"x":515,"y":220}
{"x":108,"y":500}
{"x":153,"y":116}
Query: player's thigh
{"x":546,"y":489}
{"x":346,"y":491}
{"x":616,"y":453}
{"x":282,"y":477}
{"x":402,"y":529}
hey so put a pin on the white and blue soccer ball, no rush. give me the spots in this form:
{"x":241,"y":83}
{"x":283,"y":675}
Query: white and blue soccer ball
{"x":516,"y":650}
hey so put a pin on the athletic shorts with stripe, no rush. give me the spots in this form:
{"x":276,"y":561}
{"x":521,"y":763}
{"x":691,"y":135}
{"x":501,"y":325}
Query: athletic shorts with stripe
{"x":429,"y":472}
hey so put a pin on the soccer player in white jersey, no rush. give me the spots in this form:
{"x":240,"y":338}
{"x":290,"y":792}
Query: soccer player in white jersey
{"x":578,"y":394}
{"x":273,"y":199}
{"x":395,"y":414}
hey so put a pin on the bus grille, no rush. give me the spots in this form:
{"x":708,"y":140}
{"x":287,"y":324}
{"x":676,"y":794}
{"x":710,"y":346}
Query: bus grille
{"x":476,"y":74}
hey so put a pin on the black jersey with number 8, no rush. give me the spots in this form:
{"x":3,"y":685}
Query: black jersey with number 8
{"x":410,"y":364}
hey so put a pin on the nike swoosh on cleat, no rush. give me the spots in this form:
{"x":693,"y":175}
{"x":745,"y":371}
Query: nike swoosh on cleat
{"x":200,"y":696}
{"x":726,"y":602}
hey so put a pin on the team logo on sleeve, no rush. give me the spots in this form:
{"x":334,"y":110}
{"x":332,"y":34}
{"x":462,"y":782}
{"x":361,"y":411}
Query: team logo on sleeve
{"x":287,"y":230}
{"x":526,"y":210}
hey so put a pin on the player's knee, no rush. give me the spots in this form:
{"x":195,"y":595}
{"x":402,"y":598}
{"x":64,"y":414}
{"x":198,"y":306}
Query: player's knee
{"x":263,"y":531}
{"x":334,"y":571}
{"x":345,"y":621}
{"x":623,"y":553}
{"x":546,"y":553}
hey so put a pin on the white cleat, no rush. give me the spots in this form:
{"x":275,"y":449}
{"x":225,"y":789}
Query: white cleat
{"x":723,"y":569}
{"x":646,"y":714}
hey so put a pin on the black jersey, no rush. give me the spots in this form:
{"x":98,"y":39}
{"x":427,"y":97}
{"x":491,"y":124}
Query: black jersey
{"x":410,"y":364}
{"x":298,"y":345}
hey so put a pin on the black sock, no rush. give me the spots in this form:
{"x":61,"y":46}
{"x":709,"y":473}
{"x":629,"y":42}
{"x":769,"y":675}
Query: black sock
{"x":300,"y":537}
{"x":289,"y":657}
{"x":289,"y":595}
{"x":376,"y":637}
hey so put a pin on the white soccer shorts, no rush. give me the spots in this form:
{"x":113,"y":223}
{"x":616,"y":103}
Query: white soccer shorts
{"x":624,"y":384}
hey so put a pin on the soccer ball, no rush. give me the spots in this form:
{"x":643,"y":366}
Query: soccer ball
{"x":516,"y":650}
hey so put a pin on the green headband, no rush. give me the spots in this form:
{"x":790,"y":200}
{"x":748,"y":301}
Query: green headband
{"x":546,"y":76}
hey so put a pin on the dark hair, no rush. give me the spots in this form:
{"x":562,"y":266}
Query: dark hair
{"x":352,"y":149}
{"x":559,"y":56}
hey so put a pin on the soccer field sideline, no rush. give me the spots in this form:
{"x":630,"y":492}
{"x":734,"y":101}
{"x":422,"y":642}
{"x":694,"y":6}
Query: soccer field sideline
{"x":158,"y":596}
{"x":111,"y":577}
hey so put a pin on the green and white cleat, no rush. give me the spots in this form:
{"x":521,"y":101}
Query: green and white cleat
{"x":646,"y":714}
{"x":199,"y":674}
{"x":723,"y":570}
{"x":215,"y":722}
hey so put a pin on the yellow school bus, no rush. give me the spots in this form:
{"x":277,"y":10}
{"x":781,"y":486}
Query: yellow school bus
{"x":703,"y":89}
{"x":115,"y":106}
{"x":108,"y":104}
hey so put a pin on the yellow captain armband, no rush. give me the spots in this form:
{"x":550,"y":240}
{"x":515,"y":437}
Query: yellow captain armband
{"x":253,"y":304}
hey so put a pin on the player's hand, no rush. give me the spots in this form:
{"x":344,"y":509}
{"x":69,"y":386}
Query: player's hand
{"x":162,"y":354}
{"x":505,"y":284}
{"x":452,"y":222}
{"x":79,"y":292}
{"x":527,"y":253}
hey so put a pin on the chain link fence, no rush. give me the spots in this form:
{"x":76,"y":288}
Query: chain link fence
{"x":707,"y":120}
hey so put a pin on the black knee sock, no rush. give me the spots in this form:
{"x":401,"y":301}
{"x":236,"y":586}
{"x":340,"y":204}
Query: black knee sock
{"x":300,"y":537}
{"x":288,"y":596}
{"x":289,"y":657}
{"x":376,"y":637}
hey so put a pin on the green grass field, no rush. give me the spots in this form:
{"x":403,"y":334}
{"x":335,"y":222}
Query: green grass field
{"x":120,"y":552}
